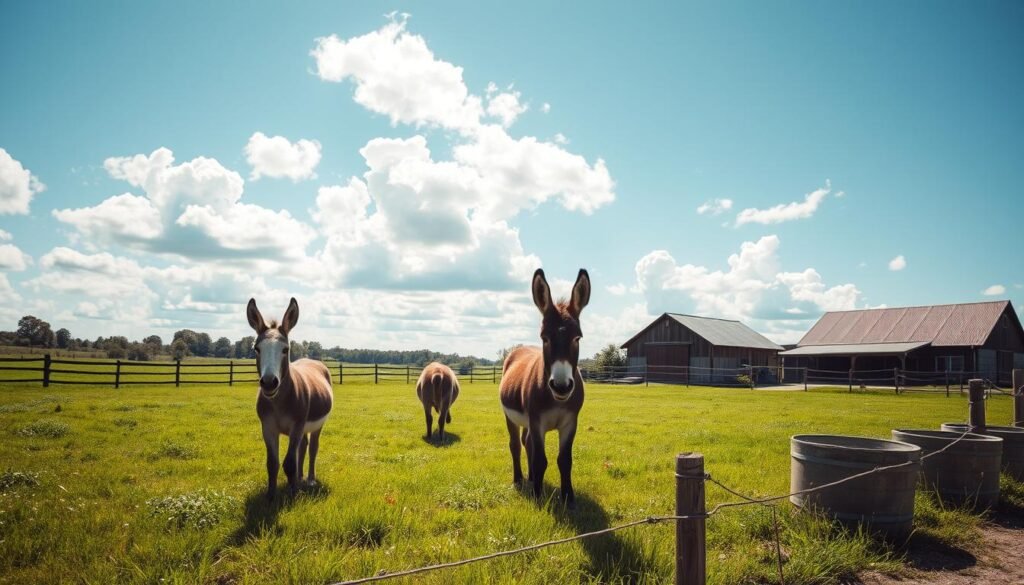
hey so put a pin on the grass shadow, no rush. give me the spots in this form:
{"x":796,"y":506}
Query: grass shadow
{"x":926,"y":553}
{"x":610,"y":557}
{"x":450,"y":439}
{"x":261,"y":514}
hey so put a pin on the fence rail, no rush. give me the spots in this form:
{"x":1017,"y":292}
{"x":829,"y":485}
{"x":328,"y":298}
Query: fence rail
{"x":46,"y":370}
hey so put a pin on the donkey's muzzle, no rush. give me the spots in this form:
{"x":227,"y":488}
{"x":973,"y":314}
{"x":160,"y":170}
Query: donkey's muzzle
{"x":561,"y":392}
{"x":269,"y":385}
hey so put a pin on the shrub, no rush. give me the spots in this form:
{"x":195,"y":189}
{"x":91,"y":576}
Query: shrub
{"x":199,"y":509}
{"x":175,"y":450}
{"x":12,"y":479}
{"x":45,"y":428}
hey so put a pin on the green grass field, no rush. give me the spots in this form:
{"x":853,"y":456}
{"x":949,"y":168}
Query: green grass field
{"x":163,"y":484}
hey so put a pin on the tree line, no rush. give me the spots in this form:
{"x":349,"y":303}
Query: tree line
{"x":35,"y":332}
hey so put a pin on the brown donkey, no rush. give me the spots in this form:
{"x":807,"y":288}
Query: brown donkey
{"x":294,"y":399}
{"x":437,"y":388}
{"x":541,"y":388}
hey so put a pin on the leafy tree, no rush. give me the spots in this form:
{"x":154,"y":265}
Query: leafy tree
{"x":610,"y":357}
{"x":34,"y":331}
{"x":154,"y":340}
{"x":314,"y":350}
{"x":244,"y":349}
{"x":222,"y":348}
{"x":503,"y":352}
{"x":63,"y":337}
{"x":297,"y":351}
{"x":140,"y":352}
{"x":179,"y":349}
{"x":203,"y":346}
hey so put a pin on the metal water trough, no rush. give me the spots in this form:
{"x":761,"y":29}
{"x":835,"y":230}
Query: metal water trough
{"x":1013,"y":446}
{"x":882,"y":502}
{"x":967,"y":472}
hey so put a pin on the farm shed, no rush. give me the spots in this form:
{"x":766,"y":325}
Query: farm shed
{"x":700,"y":349}
{"x":985,"y":339}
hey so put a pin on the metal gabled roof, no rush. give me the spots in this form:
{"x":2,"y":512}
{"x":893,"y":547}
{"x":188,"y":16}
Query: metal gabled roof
{"x":854,"y":349}
{"x":964,"y":324}
{"x":724,"y":332}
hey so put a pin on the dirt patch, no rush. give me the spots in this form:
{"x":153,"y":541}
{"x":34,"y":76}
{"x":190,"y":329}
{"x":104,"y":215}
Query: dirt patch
{"x":996,"y":562}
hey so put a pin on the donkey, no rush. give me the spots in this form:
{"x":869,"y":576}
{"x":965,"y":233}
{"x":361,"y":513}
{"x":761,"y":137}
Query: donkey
{"x":541,"y":388}
{"x":294,"y":398}
{"x":437,"y":388}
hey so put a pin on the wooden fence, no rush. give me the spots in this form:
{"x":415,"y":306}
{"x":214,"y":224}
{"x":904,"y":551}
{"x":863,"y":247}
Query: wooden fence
{"x":47,"y":370}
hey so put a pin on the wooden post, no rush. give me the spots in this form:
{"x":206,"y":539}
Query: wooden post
{"x":341,"y":372}
{"x":896,"y":379}
{"x":407,"y":372}
{"x":947,"y":383}
{"x":117,"y":374}
{"x":805,"y":378}
{"x":691,"y":562}
{"x":231,"y":373}
{"x":177,"y":373}
{"x":961,"y":376}
{"x":976,"y":387}
{"x":1018,"y":398}
{"x":494,"y":374}
{"x":750,"y":373}
{"x":849,"y":380}
{"x":375,"y":378}
{"x":647,"y":378}
{"x":46,"y":371}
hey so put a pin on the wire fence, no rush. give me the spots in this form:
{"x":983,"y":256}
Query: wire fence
{"x":701,"y":514}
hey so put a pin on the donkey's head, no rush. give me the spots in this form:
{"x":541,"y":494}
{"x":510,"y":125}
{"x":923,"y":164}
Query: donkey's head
{"x":272,"y":346}
{"x":560,"y":331}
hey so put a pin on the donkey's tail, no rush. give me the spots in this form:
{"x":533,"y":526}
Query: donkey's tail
{"x":437,"y":388}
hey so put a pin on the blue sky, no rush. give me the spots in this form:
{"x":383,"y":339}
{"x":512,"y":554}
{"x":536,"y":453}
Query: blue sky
{"x":854,"y":133}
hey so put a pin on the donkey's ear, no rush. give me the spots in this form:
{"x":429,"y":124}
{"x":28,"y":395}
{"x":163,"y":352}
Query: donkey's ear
{"x":541,"y":291}
{"x":291,"y":317}
{"x":255,"y":318}
{"x":580,"y":293}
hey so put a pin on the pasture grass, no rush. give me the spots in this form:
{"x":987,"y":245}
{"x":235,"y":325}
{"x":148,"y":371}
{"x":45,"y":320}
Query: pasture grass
{"x":160,"y":484}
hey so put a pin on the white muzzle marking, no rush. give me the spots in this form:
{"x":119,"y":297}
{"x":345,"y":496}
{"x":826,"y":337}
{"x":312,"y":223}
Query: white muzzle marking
{"x":561,"y":377}
{"x":271,"y":352}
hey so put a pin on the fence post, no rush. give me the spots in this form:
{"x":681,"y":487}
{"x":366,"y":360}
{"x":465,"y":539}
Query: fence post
{"x":375,"y":377}
{"x":947,"y":383}
{"x":117,"y":374}
{"x":896,"y":379}
{"x":471,"y":368}
{"x":231,"y":373}
{"x":341,"y":373}
{"x":976,"y":387}
{"x":1018,"y":398}
{"x":691,"y":562}
{"x":805,"y":378}
{"x":46,"y":371}
{"x":647,"y":378}
{"x":961,"y":376}
{"x":494,"y":374}
{"x":750,"y":373}
{"x":407,"y":371}
{"x":177,"y":373}
{"x":849,"y":380}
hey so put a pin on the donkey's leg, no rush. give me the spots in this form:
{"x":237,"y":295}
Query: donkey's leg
{"x":515,"y":448}
{"x":566,"y":436}
{"x":302,"y":453}
{"x":525,"y":438}
{"x":538,"y":460}
{"x":430,"y":419}
{"x":314,"y":446}
{"x":442,"y":416}
{"x":291,"y":457}
{"x":271,"y":439}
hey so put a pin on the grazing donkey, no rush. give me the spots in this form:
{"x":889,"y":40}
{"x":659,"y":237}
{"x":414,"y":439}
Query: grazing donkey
{"x":294,"y":399}
{"x":541,"y":388}
{"x":437,"y":388}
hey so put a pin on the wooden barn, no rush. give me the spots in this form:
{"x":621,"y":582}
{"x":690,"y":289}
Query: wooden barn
{"x":712,"y":350}
{"x":977,"y":339}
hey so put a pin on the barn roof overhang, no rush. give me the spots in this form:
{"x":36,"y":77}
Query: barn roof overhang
{"x":854,"y":349}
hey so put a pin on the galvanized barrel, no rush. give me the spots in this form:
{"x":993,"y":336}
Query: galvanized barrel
{"x":882,"y":502}
{"x":966,"y":472}
{"x":1013,"y":446}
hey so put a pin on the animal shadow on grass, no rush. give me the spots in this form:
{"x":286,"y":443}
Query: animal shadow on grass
{"x":450,"y":439}
{"x":610,"y":556}
{"x":261,"y":514}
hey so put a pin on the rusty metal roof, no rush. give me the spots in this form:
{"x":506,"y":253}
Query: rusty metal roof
{"x":960,"y":325}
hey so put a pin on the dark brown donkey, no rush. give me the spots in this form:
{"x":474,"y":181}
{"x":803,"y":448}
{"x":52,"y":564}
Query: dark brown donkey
{"x":294,"y":399}
{"x":541,"y":388}
{"x":437,"y":389}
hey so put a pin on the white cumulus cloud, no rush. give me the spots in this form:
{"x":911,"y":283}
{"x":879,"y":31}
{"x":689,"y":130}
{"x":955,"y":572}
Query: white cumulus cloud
{"x":786,"y":211}
{"x":994,"y":290}
{"x":12,"y":258}
{"x":17,"y":185}
{"x":898,"y":263}
{"x":715,"y":206}
{"x":277,"y":157}
{"x":506,"y":107}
